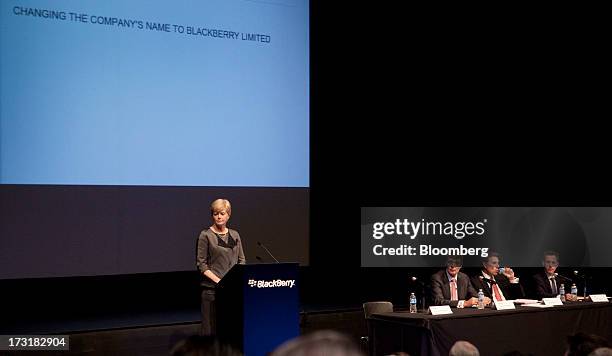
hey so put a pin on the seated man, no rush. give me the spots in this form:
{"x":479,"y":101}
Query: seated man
{"x":547,"y":282}
{"x":451,"y":287}
{"x":497,"y":286}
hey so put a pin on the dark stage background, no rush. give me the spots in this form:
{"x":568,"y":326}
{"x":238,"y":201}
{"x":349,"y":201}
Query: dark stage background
{"x":66,"y":231}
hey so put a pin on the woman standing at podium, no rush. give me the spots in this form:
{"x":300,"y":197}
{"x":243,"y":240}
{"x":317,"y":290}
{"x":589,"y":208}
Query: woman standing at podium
{"x":219,"y":249}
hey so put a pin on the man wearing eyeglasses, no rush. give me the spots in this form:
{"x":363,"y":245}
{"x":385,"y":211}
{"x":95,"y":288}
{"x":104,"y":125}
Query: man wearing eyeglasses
{"x":547,"y":283}
{"x":451,"y":287}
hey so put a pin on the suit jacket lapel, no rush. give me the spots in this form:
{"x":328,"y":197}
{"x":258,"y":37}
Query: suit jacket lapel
{"x":487,"y":287}
{"x":447,"y":292}
{"x":547,"y":282}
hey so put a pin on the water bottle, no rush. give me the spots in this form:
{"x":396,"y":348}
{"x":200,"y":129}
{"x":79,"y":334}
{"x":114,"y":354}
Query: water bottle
{"x":413,"y":303}
{"x":480,"y":299}
{"x":574,"y":292}
{"x":562,"y":292}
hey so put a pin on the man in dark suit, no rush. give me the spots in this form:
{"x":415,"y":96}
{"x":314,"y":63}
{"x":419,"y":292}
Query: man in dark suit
{"x":451,"y":287}
{"x":547,"y":283}
{"x":495,"y":285}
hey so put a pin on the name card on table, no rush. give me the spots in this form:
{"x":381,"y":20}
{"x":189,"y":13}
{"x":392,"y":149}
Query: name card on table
{"x":504,"y":305}
{"x":598,"y":298}
{"x":552,"y":301}
{"x":440,"y":310}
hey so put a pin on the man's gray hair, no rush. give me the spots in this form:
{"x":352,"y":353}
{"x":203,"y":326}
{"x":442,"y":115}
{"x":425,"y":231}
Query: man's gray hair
{"x":324,"y":342}
{"x":602,"y":351}
{"x":463,"y":348}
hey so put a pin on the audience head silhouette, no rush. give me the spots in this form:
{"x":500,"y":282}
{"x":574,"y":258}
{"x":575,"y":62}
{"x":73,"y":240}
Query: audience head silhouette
{"x":582,"y":344}
{"x":463,"y":348}
{"x":320,"y":343}
{"x":203,"y":346}
{"x":601,"y":351}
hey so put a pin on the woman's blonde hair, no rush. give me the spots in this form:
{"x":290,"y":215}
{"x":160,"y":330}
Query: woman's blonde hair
{"x":221,"y":204}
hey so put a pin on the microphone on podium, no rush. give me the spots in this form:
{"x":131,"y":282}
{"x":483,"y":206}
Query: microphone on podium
{"x":267,"y":251}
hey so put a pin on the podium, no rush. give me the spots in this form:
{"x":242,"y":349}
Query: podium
{"x":258,"y":306}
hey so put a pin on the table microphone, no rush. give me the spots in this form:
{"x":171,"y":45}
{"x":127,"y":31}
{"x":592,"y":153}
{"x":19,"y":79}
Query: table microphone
{"x":415,"y":279}
{"x":566,"y":278}
{"x":267,"y":251}
{"x":584,"y":278}
{"x":487,"y":280}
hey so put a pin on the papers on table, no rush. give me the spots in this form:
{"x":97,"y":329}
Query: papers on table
{"x":599,"y":298}
{"x":531,"y":303}
{"x":526,"y":301}
{"x":538,"y":305}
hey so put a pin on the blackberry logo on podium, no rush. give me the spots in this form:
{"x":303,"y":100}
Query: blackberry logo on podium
{"x":276,"y":283}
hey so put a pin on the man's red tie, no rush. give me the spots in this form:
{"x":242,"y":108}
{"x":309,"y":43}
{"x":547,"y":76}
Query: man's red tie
{"x":496,"y":292}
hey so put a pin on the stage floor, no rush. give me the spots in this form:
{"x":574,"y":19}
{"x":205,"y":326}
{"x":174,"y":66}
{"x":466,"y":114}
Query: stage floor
{"x":155,"y":332}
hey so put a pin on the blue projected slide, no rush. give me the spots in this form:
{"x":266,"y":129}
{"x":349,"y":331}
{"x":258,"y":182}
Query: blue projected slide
{"x":196,"y":93}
